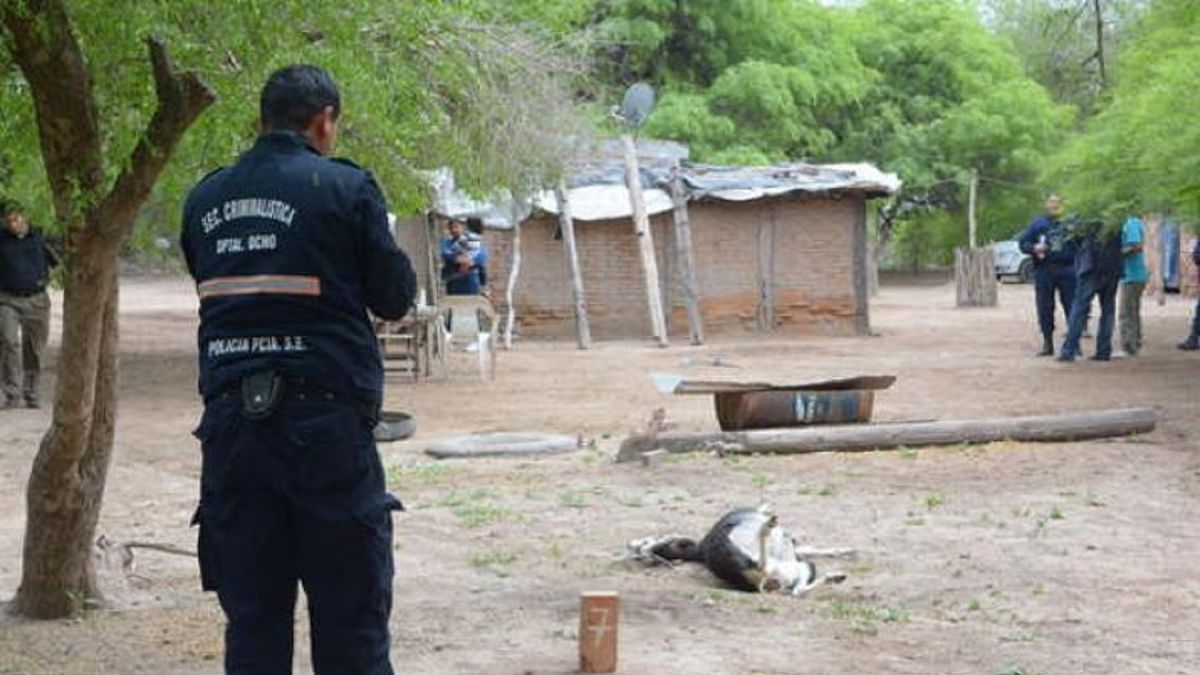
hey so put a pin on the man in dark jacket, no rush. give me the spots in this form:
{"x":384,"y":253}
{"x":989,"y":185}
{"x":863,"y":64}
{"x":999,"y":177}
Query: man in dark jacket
{"x":25,"y":264}
{"x":1048,"y":240}
{"x":289,"y":250}
{"x":1098,"y":265}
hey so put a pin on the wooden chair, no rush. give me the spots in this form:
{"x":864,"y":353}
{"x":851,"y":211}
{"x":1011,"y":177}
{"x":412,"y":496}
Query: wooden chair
{"x":400,"y":346}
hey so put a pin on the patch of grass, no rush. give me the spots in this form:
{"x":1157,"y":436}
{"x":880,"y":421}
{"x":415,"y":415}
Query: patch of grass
{"x":572,"y":500}
{"x":973,"y":605}
{"x":761,"y":480}
{"x":1015,"y":670}
{"x":1057,"y":514}
{"x":459,"y":498}
{"x":419,"y":473}
{"x":934,"y":500}
{"x":474,"y":507}
{"x":479,"y":515}
{"x":914,"y":522}
{"x":1094,"y":500}
{"x":908,"y":453}
{"x":826,"y":490}
{"x":862,"y":618}
{"x":767,"y":609}
{"x":493,"y":559}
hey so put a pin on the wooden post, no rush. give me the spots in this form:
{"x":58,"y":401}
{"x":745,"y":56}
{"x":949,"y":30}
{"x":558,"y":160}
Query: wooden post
{"x":971,"y":187}
{"x":598,"y":632}
{"x":766,"y":273}
{"x":583,"y":332}
{"x":975,"y":278}
{"x":686,"y":263}
{"x":510,"y":316}
{"x":641,"y":227}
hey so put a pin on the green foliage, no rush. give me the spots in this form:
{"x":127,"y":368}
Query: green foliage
{"x":424,"y":84}
{"x":1138,"y":154}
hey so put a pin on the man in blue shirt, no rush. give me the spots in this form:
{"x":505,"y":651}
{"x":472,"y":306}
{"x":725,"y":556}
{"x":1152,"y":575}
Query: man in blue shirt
{"x":1098,"y":271}
{"x":1133,"y":283}
{"x":464,"y":259}
{"x":1047,"y":240}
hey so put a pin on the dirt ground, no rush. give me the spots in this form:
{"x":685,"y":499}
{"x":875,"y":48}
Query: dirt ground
{"x":1007,"y":558}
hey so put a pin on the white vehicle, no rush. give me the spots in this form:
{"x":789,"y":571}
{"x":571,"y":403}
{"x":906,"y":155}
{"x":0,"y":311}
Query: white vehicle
{"x":1011,"y":262}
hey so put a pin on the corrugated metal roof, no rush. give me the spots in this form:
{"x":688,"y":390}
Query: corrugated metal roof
{"x":597,"y":188}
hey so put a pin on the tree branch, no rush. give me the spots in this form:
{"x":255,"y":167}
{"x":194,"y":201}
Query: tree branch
{"x":44,"y":47}
{"x":181,"y":100}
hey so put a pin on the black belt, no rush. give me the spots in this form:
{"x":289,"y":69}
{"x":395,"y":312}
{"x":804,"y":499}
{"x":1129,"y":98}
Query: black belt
{"x":304,"y":390}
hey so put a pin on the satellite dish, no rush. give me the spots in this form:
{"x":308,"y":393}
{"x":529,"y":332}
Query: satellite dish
{"x":637,"y":104}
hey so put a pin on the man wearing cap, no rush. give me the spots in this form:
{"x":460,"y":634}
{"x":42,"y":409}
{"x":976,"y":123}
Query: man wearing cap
{"x":25,"y":263}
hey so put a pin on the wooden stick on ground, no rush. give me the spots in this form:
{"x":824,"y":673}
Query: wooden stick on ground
{"x":1040,"y":428}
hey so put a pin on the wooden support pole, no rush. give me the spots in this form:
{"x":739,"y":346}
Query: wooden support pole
{"x":641,"y":227}
{"x":509,"y":298}
{"x":685,"y":259}
{"x":971,"y":228}
{"x":765,"y":315}
{"x":583,"y":332}
{"x":1041,"y":428}
{"x":598,"y":612}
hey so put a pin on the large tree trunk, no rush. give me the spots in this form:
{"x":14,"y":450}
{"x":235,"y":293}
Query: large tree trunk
{"x":66,"y":484}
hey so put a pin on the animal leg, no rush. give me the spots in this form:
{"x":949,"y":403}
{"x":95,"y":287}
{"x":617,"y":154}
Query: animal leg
{"x":813,"y":552}
{"x":764,"y":533}
{"x":827,"y":578}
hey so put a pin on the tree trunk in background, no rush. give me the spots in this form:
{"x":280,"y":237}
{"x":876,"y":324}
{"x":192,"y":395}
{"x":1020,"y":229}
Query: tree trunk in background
{"x":66,"y":483}
{"x":975,"y":277}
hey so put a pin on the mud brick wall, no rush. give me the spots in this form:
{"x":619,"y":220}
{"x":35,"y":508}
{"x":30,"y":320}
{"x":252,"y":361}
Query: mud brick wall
{"x":813,"y":255}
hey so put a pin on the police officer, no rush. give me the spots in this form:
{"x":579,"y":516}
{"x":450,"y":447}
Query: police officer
{"x":289,"y":250}
{"x":1048,"y":240}
{"x":25,"y":264}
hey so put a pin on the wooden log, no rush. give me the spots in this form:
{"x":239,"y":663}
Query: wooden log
{"x":583,"y":332}
{"x":975,"y":278}
{"x":641,"y":227}
{"x":598,"y":631}
{"x":686,"y":260}
{"x":1040,"y":428}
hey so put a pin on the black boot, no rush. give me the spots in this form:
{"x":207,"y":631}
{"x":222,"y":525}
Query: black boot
{"x":1047,"y":346}
{"x":1191,"y":344}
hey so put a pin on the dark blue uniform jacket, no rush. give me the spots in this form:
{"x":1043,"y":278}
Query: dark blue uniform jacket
{"x":1057,"y":233}
{"x":289,"y":250}
{"x":25,"y":262}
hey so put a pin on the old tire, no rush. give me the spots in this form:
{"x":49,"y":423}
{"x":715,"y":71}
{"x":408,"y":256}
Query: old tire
{"x":501,"y":444}
{"x":394,"y":426}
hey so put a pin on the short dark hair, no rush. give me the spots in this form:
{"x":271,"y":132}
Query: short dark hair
{"x":294,"y":95}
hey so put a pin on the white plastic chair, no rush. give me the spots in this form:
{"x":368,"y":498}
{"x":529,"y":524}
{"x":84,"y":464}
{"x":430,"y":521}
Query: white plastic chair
{"x":467,"y":331}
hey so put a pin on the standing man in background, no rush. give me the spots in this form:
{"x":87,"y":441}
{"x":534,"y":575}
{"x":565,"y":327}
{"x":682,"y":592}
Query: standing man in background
{"x":1133,"y":283}
{"x":1098,"y":267}
{"x":25,"y":264}
{"x":289,"y":250}
{"x":1047,"y":240}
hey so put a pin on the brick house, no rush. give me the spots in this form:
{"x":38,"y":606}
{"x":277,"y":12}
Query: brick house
{"x":780,"y":249}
